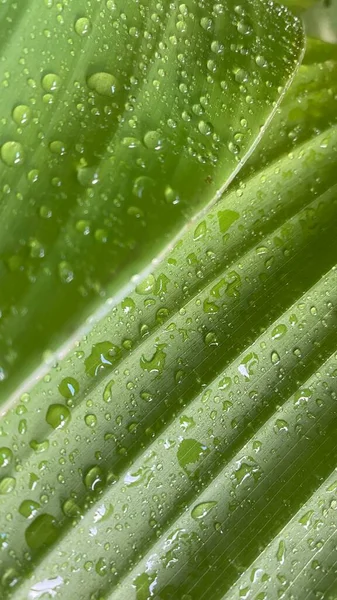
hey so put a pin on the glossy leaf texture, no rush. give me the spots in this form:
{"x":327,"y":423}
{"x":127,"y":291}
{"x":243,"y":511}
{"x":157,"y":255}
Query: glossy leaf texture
{"x":120,"y":121}
{"x":185,"y":447}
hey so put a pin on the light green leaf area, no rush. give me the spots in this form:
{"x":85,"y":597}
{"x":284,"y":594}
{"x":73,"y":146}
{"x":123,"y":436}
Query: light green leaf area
{"x":120,"y":122}
{"x":186,"y":446}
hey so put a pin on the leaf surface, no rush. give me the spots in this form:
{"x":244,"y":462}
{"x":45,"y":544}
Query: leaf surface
{"x":185,"y":447}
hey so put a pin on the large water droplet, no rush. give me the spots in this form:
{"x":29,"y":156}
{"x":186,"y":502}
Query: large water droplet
{"x":104,"y":84}
{"x":7,"y":485}
{"x":21,"y":114}
{"x":12,"y":154}
{"x":201,"y":510}
{"x":57,"y":416}
{"x":51,"y":82}
{"x":6,"y":456}
{"x":42,"y":532}
{"x":152,"y":140}
{"x":82,"y":26}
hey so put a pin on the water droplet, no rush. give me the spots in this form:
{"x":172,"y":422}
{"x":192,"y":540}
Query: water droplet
{"x":275,"y":357}
{"x":146,"y":286}
{"x":22,"y":114}
{"x":7,"y":485}
{"x":51,"y":82}
{"x":261,"y":61}
{"x":205,"y":128}
{"x":171,"y":196}
{"x":249,"y":365}
{"x":247,"y":468}
{"x":102,"y":356}
{"x":153,"y":140}
{"x":278,"y":331}
{"x":57,"y":147}
{"x":6,"y":456}
{"x":281,"y":425}
{"x":200,"y":231}
{"x":206,"y":23}
{"x":104,"y":84}
{"x":94,"y":479}
{"x":57,"y":416}
{"x":156,"y":363}
{"x":70,"y":508}
{"x":190,"y":453}
{"x":201,"y":510}
{"x":90,"y":420}
{"x":69,"y":387}
{"x":29,"y":508}
{"x":241,"y":76}
{"x":82,"y":26}
{"x":12,"y":154}
{"x":42,"y":532}
{"x":65,"y":272}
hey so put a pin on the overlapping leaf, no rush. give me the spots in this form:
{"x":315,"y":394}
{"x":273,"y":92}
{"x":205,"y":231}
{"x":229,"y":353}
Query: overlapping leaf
{"x":121,"y":120}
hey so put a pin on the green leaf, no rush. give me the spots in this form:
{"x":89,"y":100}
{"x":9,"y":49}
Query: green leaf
{"x":185,"y":447}
{"x":121,"y":121}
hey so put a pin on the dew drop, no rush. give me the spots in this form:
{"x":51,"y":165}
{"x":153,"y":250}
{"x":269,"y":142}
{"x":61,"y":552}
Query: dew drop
{"x":83,"y":26}
{"x":90,"y":420}
{"x":12,"y":154}
{"x":42,"y":532}
{"x":278,"y":331}
{"x":29,"y":508}
{"x":51,"y":82}
{"x":7,"y":485}
{"x":69,"y":387}
{"x":57,"y":416}
{"x":201,"y":510}
{"x":22,"y":114}
{"x":104,"y":84}
{"x":6,"y":456}
{"x":152,"y":140}
{"x":94,"y":479}
{"x":205,"y":128}
{"x":57,"y":147}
